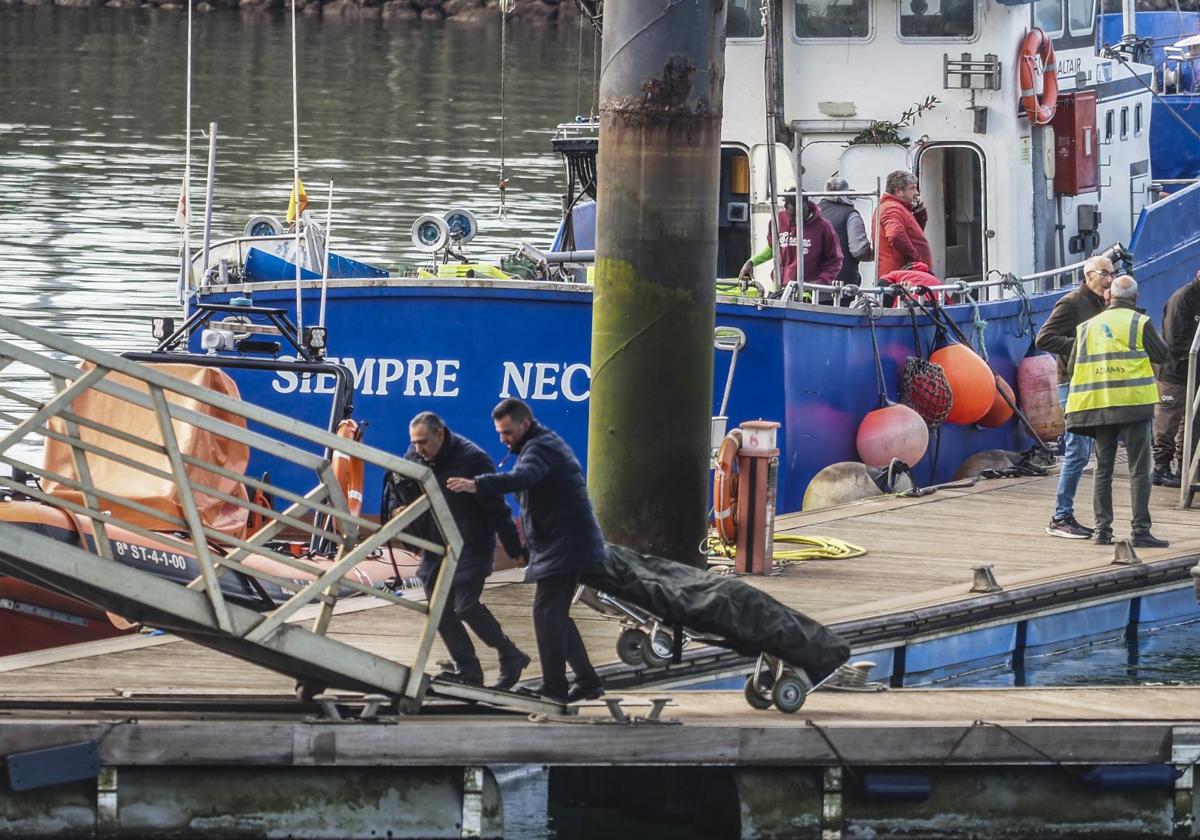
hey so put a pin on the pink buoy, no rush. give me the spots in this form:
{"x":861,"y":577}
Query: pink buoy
{"x":971,"y":382}
{"x":894,"y":431}
{"x":1001,"y":411}
{"x":1037,"y":384}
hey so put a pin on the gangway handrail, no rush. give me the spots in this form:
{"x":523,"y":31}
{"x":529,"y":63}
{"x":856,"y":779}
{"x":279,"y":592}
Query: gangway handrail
{"x":1191,"y":455}
{"x":200,"y":611}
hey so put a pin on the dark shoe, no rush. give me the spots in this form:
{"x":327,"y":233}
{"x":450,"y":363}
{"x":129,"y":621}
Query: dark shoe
{"x":585,"y":692}
{"x":540,"y":691}
{"x":460,"y":677}
{"x":1148,"y":540}
{"x":1163,"y":477}
{"x":1068,"y":528}
{"x":510,"y":671}
{"x":1104,"y":536}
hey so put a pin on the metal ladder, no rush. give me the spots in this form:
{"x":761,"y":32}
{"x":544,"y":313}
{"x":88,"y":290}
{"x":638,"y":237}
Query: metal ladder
{"x":1189,"y":461}
{"x":200,"y":611}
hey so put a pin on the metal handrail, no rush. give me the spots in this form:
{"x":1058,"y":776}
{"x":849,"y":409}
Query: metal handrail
{"x":1188,"y":463}
{"x":957,"y":288}
{"x":156,"y":453}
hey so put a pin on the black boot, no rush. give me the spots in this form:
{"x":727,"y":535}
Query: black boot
{"x":510,"y":670}
{"x":1163,"y":477}
{"x":1148,"y":540}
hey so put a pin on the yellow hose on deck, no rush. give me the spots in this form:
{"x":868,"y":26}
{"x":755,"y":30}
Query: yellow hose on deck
{"x":815,"y":548}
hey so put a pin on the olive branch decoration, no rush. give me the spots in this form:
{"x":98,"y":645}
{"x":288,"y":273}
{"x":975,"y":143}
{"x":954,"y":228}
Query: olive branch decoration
{"x":887,"y":132}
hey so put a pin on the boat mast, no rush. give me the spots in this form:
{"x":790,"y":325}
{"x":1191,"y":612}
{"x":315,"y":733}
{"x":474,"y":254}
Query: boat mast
{"x":296,"y":172}
{"x":183,"y":213}
{"x":1129,"y":17}
{"x":662,"y":73}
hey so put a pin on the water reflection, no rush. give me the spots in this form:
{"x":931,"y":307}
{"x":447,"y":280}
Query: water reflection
{"x":404,"y":118}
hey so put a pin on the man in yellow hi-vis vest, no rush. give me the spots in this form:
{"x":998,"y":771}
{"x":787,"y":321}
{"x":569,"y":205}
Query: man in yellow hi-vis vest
{"x":1113,"y":394}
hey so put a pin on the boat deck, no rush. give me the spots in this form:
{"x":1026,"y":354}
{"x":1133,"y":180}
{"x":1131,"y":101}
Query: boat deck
{"x":921,"y":553}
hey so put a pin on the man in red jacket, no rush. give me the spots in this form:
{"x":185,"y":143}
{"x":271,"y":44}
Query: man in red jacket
{"x":901,"y":216}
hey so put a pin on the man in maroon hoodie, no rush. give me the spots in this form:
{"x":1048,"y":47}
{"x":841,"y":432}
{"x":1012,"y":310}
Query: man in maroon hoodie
{"x":901,"y":217}
{"x":822,"y":251}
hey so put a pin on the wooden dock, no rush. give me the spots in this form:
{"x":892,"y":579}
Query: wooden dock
{"x":920,"y":554}
{"x":166,"y":715}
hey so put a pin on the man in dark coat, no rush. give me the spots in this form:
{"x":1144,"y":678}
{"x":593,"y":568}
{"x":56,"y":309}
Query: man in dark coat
{"x":561,"y":536}
{"x":1057,"y":336}
{"x":480,"y":518}
{"x":1179,"y":327}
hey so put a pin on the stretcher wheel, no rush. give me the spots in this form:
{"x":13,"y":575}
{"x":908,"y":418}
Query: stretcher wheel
{"x":754,"y":696}
{"x":789,"y":693}
{"x":630,"y":645}
{"x":657,"y":649}
{"x":306,"y":691}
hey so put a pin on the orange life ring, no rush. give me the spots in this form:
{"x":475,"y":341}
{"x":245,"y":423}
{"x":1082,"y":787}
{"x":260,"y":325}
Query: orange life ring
{"x":347,"y":469}
{"x":725,"y":487}
{"x":1036,"y":65}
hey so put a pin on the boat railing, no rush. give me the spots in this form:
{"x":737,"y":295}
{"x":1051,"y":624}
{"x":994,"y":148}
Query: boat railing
{"x":1190,"y":460}
{"x":111,"y":416}
{"x":997,"y":286}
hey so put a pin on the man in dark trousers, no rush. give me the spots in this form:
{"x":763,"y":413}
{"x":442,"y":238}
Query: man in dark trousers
{"x":479,"y":519}
{"x":1057,"y":336}
{"x":1179,"y":328}
{"x":1113,"y":394}
{"x":561,"y":536}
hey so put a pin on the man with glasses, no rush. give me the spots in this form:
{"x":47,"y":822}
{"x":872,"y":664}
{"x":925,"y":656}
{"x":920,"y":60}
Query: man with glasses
{"x":1057,"y":336}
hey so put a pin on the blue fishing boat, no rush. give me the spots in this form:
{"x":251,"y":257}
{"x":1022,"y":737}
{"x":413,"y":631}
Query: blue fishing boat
{"x":1170,"y":42}
{"x":1018,"y":199}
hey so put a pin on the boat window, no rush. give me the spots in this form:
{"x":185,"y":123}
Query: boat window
{"x":733,"y":212}
{"x":1137,"y":120}
{"x":743,"y":20}
{"x":1124,"y":122}
{"x":1108,"y":125}
{"x":1048,"y":14}
{"x":937,"y":18}
{"x":1082,"y":14}
{"x":833,"y":18}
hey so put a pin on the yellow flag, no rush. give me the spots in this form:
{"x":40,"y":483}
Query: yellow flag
{"x":292,"y":212}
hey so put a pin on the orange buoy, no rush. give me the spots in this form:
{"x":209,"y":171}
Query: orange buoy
{"x":893,"y":431}
{"x":971,"y":382}
{"x":1037,"y":385}
{"x":1001,"y":411}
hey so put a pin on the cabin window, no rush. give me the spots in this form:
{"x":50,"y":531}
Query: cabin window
{"x":1124,"y":122}
{"x":1137,"y":120}
{"x":743,"y":19}
{"x":1082,"y":14}
{"x":833,"y":18}
{"x":937,"y":18}
{"x":1048,"y":15}
{"x":733,"y":212}
{"x":1109,"y":121}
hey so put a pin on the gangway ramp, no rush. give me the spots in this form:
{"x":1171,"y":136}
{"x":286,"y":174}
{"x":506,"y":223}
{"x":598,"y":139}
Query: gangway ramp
{"x":153,"y":426}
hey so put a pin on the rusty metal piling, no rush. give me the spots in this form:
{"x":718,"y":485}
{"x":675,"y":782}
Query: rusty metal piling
{"x":656,"y":247}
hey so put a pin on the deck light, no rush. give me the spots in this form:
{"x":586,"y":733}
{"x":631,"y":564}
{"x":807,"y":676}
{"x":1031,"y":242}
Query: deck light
{"x":161,"y":328}
{"x":316,"y":340}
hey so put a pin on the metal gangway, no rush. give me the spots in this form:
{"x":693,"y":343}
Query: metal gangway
{"x":1189,"y":461}
{"x":171,"y":408}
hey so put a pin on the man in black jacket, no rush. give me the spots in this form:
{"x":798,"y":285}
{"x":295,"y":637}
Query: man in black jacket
{"x":1179,"y":327}
{"x":479,"y":519}
{"x":562,"y":537}
{"x":1057,"y":336}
